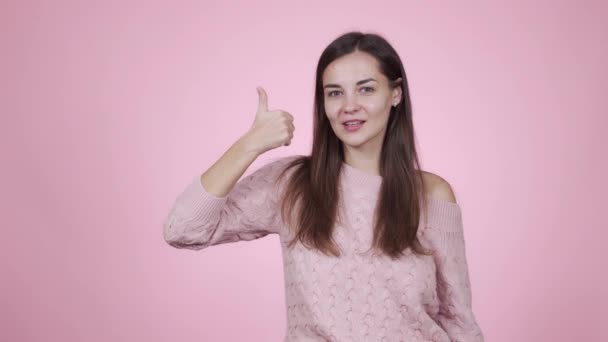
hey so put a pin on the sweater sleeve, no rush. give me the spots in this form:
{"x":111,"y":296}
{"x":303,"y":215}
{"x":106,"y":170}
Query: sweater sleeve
{"x":249,"y":211}
{"x":444,"y":232}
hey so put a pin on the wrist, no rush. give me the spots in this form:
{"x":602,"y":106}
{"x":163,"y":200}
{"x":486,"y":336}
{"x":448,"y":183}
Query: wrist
{"x":245,"y":145}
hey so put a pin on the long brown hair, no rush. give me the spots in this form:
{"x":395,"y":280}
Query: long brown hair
{"x":313,"y":185}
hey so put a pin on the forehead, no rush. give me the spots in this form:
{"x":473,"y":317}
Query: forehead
{"x":351,"y":68}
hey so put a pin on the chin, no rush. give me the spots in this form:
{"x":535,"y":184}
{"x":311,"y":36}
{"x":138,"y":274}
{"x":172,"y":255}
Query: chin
{"x":353,"y":142}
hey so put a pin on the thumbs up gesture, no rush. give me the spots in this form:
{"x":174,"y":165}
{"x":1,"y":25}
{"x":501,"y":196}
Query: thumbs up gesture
{"x":270,"y":129}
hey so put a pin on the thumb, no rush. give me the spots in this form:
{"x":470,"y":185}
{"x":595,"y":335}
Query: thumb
{"x":262,"y":100}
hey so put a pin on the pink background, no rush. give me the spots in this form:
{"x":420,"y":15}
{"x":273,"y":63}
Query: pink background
{"x":110,"y":108}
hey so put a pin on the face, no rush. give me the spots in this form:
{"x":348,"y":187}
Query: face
{"x":355,"y":89}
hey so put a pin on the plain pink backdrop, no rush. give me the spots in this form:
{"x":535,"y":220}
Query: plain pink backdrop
{"x":110,"y":108}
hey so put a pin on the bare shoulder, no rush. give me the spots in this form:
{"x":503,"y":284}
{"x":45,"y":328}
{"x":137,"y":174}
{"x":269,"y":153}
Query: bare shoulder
{"x":437,"y":187}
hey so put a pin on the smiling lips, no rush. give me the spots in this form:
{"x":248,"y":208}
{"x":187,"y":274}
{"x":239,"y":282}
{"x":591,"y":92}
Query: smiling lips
{"x":353,"y":125}
{"x":351,"y":121}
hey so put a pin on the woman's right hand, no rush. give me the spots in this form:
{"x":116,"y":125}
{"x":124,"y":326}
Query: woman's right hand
{"x":270,"y":129}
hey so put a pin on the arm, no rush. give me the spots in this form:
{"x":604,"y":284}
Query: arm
{"x":222,"y":176}
{"x":213,"y":210}
{"x":444,"y":231}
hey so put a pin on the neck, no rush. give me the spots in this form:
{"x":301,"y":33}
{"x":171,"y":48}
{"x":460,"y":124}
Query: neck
{"x":363,"y":161}
{"x":361,"y":181}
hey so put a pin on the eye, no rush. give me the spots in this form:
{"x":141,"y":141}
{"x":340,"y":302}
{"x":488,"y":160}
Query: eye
{"x":366,"y":90}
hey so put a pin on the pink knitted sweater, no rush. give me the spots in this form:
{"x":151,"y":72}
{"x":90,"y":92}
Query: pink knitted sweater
{"x":359,"y":296}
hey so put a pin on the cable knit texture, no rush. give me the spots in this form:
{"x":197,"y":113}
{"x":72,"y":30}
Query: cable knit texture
{"x":361,"y":295}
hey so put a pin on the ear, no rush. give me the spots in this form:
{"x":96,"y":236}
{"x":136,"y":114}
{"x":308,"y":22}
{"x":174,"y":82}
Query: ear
{"x":397,"y":91}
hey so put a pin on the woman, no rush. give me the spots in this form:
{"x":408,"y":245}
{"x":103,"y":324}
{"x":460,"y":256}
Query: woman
{"x":373,"y":247}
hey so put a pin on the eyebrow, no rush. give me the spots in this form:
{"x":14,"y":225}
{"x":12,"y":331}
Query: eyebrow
{"x":338,"y":86}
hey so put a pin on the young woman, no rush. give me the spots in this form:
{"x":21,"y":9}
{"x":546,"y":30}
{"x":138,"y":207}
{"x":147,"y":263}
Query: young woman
{"x":373,"y":247}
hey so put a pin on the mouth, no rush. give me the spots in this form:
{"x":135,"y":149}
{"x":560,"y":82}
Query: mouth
{"x":352,"y":126}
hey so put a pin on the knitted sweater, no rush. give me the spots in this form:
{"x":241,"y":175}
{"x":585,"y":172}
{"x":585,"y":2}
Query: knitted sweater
{"x":359,"y":296}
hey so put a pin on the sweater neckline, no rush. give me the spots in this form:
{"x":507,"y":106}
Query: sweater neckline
{"x":360,"y":181}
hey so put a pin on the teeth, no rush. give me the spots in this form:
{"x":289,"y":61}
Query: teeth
{"x":353,"y":123}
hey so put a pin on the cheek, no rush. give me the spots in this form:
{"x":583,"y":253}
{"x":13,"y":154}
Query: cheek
{"x":374,"y":107}
{"x":377,"y":110}
{"x":331,"y":110}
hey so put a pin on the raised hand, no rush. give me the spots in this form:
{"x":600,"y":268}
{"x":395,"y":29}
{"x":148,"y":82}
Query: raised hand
{"x":270,"y":129}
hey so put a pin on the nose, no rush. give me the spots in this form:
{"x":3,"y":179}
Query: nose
{"x":351,"y":103}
